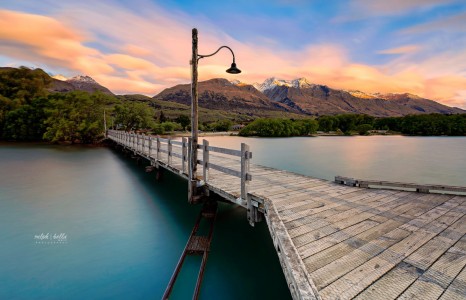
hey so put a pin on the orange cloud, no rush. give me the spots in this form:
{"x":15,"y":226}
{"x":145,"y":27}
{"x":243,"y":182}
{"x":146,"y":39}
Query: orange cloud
{"x":152,"y":52}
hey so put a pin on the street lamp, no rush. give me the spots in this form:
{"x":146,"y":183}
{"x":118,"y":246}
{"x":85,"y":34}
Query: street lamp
{"x":194,"y":110}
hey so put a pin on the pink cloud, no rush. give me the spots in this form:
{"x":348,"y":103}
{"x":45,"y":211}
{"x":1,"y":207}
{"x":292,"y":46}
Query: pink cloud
{"x":144,"y":54}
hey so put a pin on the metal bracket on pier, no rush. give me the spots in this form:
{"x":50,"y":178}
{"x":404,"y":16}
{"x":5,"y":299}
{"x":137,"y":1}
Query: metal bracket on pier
{"x":255,"y":209}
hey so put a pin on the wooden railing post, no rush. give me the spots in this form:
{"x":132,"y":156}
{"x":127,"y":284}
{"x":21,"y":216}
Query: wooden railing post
{"x":169,"y":151}
{"x":158,"y":148}
{"x":245,"y":164}
{"x":205,"y":159}
{"x":150,"y":146}
{"x":144,"y":144}
{"x":183,"y":154}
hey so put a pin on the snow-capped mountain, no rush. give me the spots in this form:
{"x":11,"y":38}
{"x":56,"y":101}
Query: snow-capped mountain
{"x":310,"y":98}
{"x":60,"y":77}
{"x":272,"y":82}
{"x":79,"y":83}
{"x":82,"y":79}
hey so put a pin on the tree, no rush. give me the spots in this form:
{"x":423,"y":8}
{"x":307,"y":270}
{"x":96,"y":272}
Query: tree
{"x":134,"y":116}
{"x":27,"y":123}
{"x":279,"y":127}
{"x":306,"y":126}
{"x":223,"y":125}
{"x":162,"y":117}
{"x":346,"y":122}
{"x":183,"y":120}
{"x":170,"y":126}
{"x":76,"y":117}
{"x":22,"y":85}
{"x":328,"y":123}
{"x":363,"y":129}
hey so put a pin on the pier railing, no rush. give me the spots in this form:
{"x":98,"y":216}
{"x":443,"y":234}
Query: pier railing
{"x":162,"y":150}
{"x":420,"y":188}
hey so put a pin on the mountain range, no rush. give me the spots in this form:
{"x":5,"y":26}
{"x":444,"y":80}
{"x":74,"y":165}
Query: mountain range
{"x":301,"y":96}
{"x":275,"y":97}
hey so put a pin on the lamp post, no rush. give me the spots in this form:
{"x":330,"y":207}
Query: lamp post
{"x":194,"y":111}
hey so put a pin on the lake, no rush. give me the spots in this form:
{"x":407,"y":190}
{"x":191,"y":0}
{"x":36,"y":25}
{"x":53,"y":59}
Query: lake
{"x":119,"y":233}
{"x":434,"y":160}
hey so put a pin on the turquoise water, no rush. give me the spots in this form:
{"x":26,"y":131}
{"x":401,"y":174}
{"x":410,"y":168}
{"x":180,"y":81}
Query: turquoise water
{"x":434,"y":160}
{"x":124,"y":232}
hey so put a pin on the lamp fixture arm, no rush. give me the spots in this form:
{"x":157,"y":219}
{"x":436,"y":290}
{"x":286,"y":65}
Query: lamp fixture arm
{"x":199,"y":56}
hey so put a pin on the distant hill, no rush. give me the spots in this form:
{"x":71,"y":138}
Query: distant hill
{"x":322,"y":100}
{"x":299,"y":96}
{"x":221,"y":94}
{"x":77,"y":83}
{"x":272,"y":98}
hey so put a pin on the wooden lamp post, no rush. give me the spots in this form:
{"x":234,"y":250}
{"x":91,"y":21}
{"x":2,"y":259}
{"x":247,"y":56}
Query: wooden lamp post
{"x":192,"y":189}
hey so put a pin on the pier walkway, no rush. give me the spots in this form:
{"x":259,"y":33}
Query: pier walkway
{"x":347,"y":239}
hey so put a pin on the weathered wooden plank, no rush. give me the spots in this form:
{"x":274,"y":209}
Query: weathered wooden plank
{"x":318,"y":257}
{"x":335,"y":203}
{"x":356,"y":280}
{"x":225,"y":170}
{"x":438,"y":277}
{"x":343,"y":219}
{"x":392,"y":284}
{"x":225,"y":151}
{"x":457,"y":289}
{"x":425,"y":256}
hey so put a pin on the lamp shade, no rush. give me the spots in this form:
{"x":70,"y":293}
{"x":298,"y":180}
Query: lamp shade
{"x":233,"y":69}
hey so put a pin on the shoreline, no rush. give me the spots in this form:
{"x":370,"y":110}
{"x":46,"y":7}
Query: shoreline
{"x":105,"y":143}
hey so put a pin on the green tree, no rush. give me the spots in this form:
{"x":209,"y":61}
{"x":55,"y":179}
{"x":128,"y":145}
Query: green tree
{"x":170,"y":126}
{"x":27,"y":123}
{"x":22,"y":85}
{"x":347,"y":122}
{"x":134,"y":116}
{"x":162,"y":117}
{"x":328,"y":123}
{"x":305,"y":127}
{"x":363,"y":129}
{"x":76,"y":117}
{"x":183,"y":120}
{"x":223,"y":125}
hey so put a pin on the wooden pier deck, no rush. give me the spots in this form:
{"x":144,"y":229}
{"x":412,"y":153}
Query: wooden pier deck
{"x":336,"y":241}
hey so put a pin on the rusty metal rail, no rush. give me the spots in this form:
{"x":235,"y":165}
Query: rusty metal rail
{"x":196,"y":245}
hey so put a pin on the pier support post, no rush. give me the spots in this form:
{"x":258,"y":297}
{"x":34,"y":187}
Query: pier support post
{"x":183,"y":155}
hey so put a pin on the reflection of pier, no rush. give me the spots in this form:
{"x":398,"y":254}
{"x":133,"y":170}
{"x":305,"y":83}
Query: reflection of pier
{"x":335,"y":241}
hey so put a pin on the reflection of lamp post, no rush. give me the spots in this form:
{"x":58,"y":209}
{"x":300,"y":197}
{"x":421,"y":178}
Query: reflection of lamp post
{"x":194,"y":111}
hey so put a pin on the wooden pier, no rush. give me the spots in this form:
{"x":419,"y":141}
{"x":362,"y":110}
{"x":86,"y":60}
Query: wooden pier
{"x":349,"y":239}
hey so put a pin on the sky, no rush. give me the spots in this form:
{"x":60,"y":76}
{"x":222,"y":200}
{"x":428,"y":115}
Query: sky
{"x":144,"y":46}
